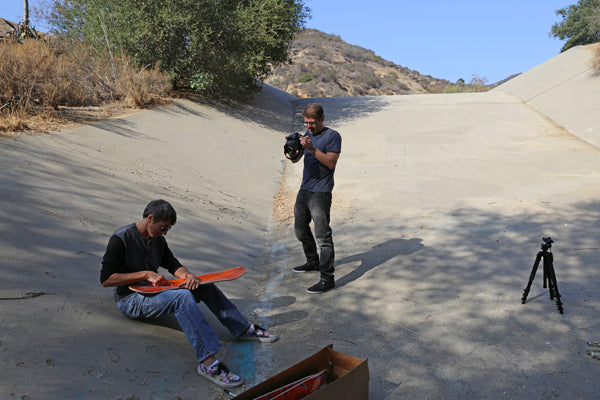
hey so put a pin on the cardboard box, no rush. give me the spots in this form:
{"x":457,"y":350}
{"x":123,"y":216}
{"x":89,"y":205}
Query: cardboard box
{"x":347,"y":377}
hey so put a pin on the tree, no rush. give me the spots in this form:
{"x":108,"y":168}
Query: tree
{"x":22,"y":31}
{"x":478,"y":83}
{"x":214,"y":46}
{"x":580,"y":24}
{"x":26,"y":13}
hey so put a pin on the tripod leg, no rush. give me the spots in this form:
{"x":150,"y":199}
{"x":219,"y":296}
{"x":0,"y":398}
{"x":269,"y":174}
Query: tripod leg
{"x":544,"y":254}
{"x":547,"y":276}
{"x":554,"y":283}
{"x":531,"y":276}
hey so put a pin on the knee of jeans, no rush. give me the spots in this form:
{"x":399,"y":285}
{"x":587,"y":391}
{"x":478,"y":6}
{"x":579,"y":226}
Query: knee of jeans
{"x":300,"y":230}
{"x":126,"y":308}
{"x":184,"y":297}
{"x":299,"y":234}
{"x":305,"y":236}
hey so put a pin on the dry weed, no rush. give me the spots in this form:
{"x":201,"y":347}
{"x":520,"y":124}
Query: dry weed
{"x":39,"y":79}
{"x":144,"y":87}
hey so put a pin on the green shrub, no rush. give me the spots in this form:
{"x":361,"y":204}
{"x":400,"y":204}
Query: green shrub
{"x":306,"y":77}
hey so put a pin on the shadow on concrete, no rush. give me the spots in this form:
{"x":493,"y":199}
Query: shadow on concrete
{"x":378,"y":255}
{"x":58,"y":229}
{"x":446,"y":320}
{"x":340,"y":109}
{"x":282,"y":112}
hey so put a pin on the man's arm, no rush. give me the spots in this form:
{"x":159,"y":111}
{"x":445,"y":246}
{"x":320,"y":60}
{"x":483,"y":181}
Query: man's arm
{"x":117,"y":279}
{"x":327,"y":159}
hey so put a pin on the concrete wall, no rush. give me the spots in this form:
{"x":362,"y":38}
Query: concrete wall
{"x":566,"y":89}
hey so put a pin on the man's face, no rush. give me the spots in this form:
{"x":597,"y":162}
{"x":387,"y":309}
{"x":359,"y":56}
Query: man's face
{"x":157,"y":228}
{"x":314,"y":125}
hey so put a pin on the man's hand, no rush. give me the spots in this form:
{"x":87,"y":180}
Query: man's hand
{"x":191,"y":282}
{"x":306,"y":141}
{"x":154,"y":278}
{"x":327,"y":159}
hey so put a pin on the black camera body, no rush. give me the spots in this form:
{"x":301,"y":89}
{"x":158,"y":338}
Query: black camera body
{"x":292,"y":148}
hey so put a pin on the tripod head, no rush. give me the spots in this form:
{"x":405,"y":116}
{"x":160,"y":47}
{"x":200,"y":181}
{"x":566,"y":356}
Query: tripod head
{"x":547,"y":243}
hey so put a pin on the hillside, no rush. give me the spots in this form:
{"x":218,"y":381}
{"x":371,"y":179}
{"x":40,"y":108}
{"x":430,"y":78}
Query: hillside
{"x":324,"y":65}
{"x":6,"y":28}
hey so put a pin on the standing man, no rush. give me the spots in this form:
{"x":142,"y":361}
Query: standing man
{"x":322,"y":147}
{"x":135,"y":252}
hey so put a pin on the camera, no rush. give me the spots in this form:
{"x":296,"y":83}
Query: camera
{"x":293,"y":148}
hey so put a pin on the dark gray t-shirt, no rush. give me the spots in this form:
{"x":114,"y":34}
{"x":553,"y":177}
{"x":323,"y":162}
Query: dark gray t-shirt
{"x":127,"y":252}
{"x":316,"y":176}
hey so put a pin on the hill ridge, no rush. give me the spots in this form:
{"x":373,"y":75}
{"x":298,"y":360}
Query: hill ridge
{"x":324,"y":65}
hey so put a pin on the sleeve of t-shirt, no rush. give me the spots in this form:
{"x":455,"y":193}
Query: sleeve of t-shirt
{"x":112,"y":262}
{"x":334,"y":144}
{"x":169,"y":261}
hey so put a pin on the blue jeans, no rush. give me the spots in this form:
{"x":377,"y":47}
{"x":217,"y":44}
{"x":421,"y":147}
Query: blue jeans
{"x":183,"y":305}
{"x":315,"y":206}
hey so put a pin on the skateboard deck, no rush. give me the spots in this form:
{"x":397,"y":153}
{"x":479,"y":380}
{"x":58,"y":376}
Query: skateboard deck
{"x":226,"y":275}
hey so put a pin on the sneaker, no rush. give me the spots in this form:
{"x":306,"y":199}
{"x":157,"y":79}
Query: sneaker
{"x":219,"y":374}
{"x":593,"y":354}
{"x":258,"y":333}
{"x":306,"y":268}
{"x":323,"y":286}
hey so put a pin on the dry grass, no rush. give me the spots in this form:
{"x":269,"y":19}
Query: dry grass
{"x":46,"y":84}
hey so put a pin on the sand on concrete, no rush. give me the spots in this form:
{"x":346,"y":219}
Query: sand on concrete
{"x":440,"y":206}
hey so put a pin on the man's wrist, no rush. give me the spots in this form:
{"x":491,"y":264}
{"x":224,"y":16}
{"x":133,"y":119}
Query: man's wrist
{"x":313,"y":150}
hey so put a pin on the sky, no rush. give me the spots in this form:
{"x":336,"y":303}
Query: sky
{"x":445,"y":39}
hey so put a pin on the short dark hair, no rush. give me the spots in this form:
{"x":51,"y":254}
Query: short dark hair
{"x":313,"y":110}
{"x":161,"y":210}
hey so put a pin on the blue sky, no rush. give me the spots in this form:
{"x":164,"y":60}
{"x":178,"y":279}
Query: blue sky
{"x":444,"y":39}
{"x":447,"y":39}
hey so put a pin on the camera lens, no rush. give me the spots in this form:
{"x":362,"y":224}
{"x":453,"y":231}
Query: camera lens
{"x":293,"y":148}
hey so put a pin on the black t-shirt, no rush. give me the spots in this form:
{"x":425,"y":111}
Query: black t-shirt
{"x":127,"y":252}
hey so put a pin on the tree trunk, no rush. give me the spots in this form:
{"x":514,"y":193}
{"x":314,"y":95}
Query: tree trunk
{"x":26,"y":14}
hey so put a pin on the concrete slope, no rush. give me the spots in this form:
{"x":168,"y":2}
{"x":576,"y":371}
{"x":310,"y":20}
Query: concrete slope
{"x":64,"y":193}
{"x":566,"y":89}
{"x":439,"y":208}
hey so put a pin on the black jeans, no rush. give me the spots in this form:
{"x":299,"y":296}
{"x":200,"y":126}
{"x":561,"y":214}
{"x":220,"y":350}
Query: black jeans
{"x":315,"y":206}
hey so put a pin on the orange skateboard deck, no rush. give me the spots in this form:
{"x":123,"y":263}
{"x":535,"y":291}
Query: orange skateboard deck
{"x":226,"y":275}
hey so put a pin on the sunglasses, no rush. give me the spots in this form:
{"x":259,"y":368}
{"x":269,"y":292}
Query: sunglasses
{"x":165,"y":228}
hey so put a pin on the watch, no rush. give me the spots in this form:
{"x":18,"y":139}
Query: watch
{"x":313,"y":150}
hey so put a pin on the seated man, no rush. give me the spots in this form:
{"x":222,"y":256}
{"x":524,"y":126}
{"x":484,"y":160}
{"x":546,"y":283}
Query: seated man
{"x":135,"y":252}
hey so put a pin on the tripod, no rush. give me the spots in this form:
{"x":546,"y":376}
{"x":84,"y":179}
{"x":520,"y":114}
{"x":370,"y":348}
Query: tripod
{"x":549,"y":275}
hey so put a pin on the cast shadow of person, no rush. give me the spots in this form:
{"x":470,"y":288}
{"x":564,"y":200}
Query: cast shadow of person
{"x":378,"y":255}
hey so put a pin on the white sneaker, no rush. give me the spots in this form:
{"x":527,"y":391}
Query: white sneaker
{"x":219,"y":374}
